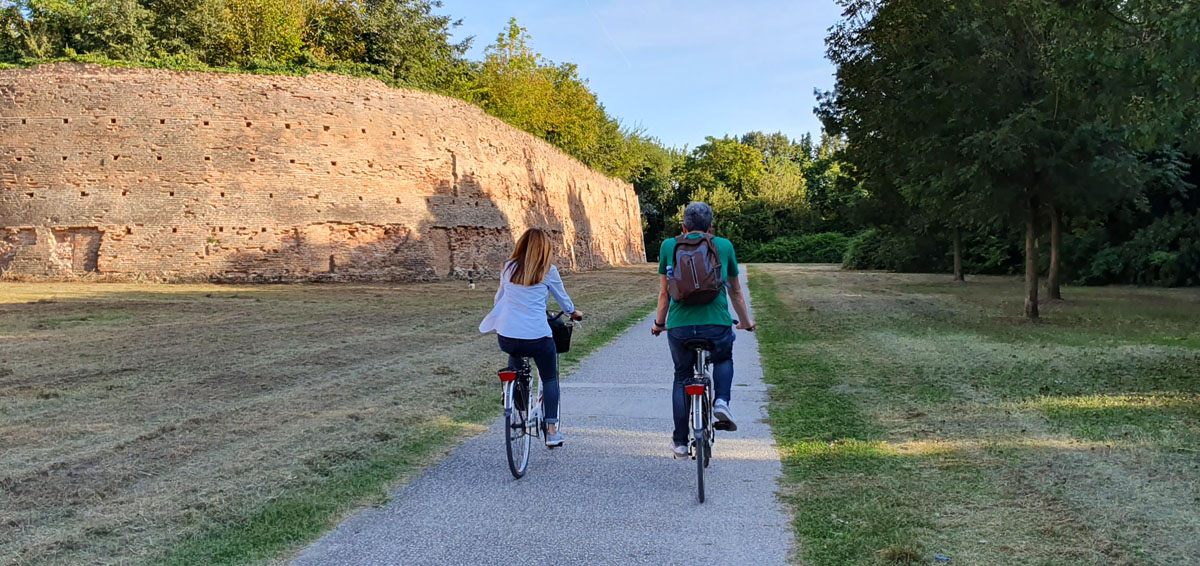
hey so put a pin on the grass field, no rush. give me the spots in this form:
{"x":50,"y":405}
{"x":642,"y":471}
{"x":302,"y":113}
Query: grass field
{"x":917,"y":417}
{"x":203,"y":424}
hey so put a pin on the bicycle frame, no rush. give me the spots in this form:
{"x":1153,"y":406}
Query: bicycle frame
{"x":700,"y":391}
{"x":534,"y":419}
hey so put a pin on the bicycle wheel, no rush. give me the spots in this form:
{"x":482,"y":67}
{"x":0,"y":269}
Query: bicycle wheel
{"x":701,"y":458}
{"x":708,"y":432}
{"x":516,"y":435}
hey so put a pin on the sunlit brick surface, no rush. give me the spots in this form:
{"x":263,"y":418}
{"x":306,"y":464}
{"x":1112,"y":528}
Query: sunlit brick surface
{"x":177,"y":175}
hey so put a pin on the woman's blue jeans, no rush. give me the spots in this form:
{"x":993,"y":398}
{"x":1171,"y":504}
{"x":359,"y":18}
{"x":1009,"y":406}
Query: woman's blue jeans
{"x":545,"y":355}
{"x":721,"y":357}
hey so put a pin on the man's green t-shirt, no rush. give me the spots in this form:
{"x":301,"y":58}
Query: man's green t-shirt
{"x":716,"y":312}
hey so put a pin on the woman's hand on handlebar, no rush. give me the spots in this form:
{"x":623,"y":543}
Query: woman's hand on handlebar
{"x":577,"y":315}
{"x":747,"y":326}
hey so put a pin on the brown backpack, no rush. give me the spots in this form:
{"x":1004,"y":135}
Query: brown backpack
{"x":695,"y":278}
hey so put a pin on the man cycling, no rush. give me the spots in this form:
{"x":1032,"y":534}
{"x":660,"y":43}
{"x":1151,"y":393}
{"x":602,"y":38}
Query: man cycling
{"x":702,"y":318}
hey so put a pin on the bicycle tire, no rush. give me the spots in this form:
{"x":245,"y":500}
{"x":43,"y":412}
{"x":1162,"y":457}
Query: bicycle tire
{"x":701,"y":454}
{"x":516,"y":434}
{"x":708,"y":433}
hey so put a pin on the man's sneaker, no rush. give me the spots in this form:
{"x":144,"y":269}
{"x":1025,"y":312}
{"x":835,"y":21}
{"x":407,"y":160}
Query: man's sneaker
{"x":679,"y":450}
{"x":723,"y":416}
{"x":554,"y":439}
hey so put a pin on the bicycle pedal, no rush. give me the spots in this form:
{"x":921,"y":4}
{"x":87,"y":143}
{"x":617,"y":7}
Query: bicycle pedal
{"x":722,"y":425}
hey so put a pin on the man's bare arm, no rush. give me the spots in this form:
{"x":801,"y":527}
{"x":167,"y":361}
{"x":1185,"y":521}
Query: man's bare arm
{"x":739,"y":305}
{"x":660,"y":314}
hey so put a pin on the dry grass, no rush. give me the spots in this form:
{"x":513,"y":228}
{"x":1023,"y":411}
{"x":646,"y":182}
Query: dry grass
{"x":918,"y":414}
{"x":135,"y":416}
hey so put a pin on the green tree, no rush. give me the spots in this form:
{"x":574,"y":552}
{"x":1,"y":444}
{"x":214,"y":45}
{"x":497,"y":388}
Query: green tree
{"x":410,"y":45}
{"x":270,"y":31}
{"x":970,"y":117}
{"x":118,"y":29}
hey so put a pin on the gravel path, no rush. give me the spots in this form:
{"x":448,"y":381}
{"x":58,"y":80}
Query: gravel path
{"x":612,"y":495}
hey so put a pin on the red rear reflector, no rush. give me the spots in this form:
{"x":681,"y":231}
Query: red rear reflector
{"x":508,"y":376}
{"x":694,"y":389}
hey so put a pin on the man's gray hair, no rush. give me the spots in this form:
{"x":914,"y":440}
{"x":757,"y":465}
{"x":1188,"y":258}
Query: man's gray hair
{"x":697,"y":217}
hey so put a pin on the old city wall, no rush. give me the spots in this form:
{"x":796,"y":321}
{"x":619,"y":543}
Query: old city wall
{"x":176,"y":175}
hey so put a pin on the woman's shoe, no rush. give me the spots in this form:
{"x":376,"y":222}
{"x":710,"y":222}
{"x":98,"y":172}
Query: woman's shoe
{"x":554,"y":439}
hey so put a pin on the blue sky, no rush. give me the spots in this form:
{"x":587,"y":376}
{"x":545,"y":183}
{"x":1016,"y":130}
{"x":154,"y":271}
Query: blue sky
{"x":680,"y":70}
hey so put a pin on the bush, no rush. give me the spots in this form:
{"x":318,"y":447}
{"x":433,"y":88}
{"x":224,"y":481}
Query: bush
{"x":828,"y":247}
{"x":863,"y":251}
{"x":874,"y":249}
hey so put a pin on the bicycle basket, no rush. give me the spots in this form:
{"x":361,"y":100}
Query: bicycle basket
{"x":561,"y":328}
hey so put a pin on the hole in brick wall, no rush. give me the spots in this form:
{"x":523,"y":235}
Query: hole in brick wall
{"x":83,"y":193}
{"x":253,"y":159}
{"x":221,"y":229}
{"x":397,"y":200}
{"x":124,"y":193}
{"x":22,"y":121}
{"x":326,"y":128}
{"x":393,"y":133}
{"x":128,"y":230}
{"x":334,"y":163}
{"x":114,"y":120}
{"x":116,"y":157}
{"x":364,"y":130}
{"x":174,"y":230}
{"x":172,"y":193}
{"x":264,"y":229}
{"x":222,"y":195}
{"x":18,"y":158}
{"x":206,"y":122}
{"x":291,"y":161}
{"x":248,"y":124}
{"x":66,"y":120}
{"x":30,"y":195}
{"x":207,"y":158}
{"x":158,"y":157}
{"x":64,"y":158}
{"x":270,"y":195}
{"x":360,"y":198}
{"x":287,"y":126}
{"x":162,"y":121}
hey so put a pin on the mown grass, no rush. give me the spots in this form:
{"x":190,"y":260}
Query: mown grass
{"x":202,"y":424}
{"x":917,"y":418}
{"x":346,"y":481}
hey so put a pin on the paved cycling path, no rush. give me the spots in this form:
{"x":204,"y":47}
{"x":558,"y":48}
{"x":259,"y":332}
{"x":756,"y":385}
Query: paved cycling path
{"x":612,"y":495}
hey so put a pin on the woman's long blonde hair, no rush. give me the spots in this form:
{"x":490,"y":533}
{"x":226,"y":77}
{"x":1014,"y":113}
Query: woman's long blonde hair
{"x":531,"y":258}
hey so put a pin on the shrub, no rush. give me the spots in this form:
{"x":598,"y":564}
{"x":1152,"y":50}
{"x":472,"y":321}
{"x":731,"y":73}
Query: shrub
{"x":874,"y":249}
{"x":1166,"y":253}
{"x":863,"y":251}
{"x":828,"y":247}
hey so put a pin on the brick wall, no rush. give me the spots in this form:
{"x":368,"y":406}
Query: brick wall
{"x":139,"y":172}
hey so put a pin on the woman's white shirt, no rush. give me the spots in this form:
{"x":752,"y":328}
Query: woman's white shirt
{"x":520,"y":311}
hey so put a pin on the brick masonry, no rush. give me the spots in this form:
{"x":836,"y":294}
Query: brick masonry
{"x":180,"y":175}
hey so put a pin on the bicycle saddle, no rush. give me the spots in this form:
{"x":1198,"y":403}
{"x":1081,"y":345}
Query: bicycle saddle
{"x":701,"y":343}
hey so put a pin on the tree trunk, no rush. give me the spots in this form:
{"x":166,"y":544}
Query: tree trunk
{"x":1053,"y":283}
{"x":958,"y":272}
{"x":1031,"y":261}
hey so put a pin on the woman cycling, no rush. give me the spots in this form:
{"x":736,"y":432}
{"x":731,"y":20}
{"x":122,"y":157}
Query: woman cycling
{"x":519,"y":317}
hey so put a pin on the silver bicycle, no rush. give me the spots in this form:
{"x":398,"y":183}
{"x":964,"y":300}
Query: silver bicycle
{"x":524,"y":415}
{"x":523,"y":412}
{"x":700,"y":396}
